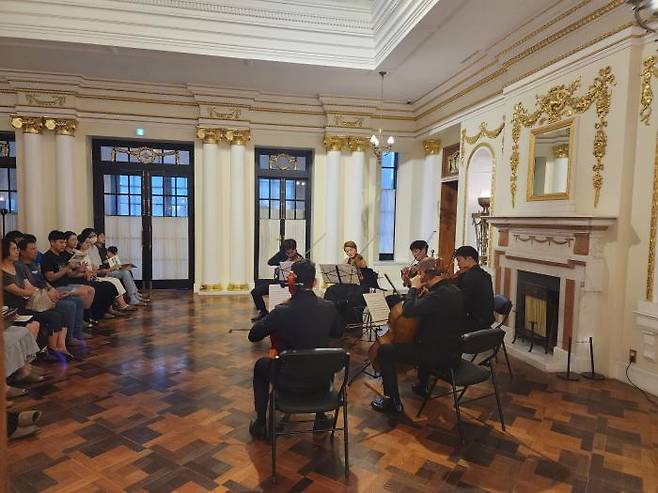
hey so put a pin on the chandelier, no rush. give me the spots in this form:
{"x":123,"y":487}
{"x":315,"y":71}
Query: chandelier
{"x":376,"y":140}
{"x":649,"y":5}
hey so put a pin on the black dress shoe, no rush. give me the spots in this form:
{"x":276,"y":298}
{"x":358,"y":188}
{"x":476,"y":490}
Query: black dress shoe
{"x":258,"y":430}
{"x":387,"y":405}
{"x":259,"y":316}
{"x":421,"y":389}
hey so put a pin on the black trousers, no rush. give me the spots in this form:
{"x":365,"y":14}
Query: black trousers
{"x":390,"y":354}
{"x":262,"y":288}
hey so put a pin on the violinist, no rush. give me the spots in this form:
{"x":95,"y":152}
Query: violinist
{"x":304,"y":322}
{"x":288,"y":251}
{"x":419,"y":250}
{"x":367,"y":276}
{"x":476,"y":285}
{"x":440,"y":311}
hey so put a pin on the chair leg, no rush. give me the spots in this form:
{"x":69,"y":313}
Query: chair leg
{"x":273,"y":433}
{"x":509,"y":366}
{"x":457,"y":411}
{"x":427,"y":397}
{"x":335,"y":421}
{"x":346,"y":435}
{"x":500,"y":408}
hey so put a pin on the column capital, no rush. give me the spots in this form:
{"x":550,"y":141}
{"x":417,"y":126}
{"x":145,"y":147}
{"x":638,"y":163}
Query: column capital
{"x":62,"y":126}
{"x":432,"y":146}
{"x":358,"y":144}
{"x":209,"y":135}
{"x":334,"y":142}
{"x":237,"y":137}
{"x":29,"y":124}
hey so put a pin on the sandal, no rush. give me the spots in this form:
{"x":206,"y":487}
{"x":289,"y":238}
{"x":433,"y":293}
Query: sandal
{"x":31,"y":377}
{"x":28,"y":418}
{"x":24,"y":431}
{"x":14,"y":392}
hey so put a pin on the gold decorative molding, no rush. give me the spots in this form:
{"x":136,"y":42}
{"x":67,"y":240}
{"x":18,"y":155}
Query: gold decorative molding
{"x":217,"y":135}
{"x":145,"y":155}
{"x":49,"y":100}
{"x":358,"y":144}
{"x":29,"y":124}
{"x":237,"y":287}
{"x":646,"y":95}
{"x":61,"y":126}
{"x":432,"y":146}
{"x":560,"y":151}
{"x":483,"y":131}
{"x":651,"y":264}
{"x":282,"y":161}
{"x":237,"y":137}
{"x":334,"y":142}
{"x":561,"y":102}
{"x":212,"y":287}
{"x":209,"y":135}
{"x":233,"y":114}
{"x":340,"y":121}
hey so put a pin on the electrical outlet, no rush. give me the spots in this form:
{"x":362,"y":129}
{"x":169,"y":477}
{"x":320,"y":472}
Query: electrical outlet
{"x":632,"y":356}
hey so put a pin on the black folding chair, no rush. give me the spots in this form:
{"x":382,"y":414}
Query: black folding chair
{"x":303,"y":382}
{"x":467,"y":373}
{"x":503,"y":306}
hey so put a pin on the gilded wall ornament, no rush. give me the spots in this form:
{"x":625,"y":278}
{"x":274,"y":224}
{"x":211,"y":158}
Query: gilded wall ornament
{"x":340,"y":121}
{"x":282,"y":161}
{"x":61,"y":126}
{"x":651,"y":265}
{"x":358,"y":144}
{"x":145,"y":155}
{"x":646,"y":95}
{"x":483,"y":131}
{"x":334,"y":142}
{"x":560,"y":102}
{"x":29,"y":124}
{"x":432,"y":146}
{"x":216,"y":135}
{"x":233,"y":114}
{"x":49,"y":100}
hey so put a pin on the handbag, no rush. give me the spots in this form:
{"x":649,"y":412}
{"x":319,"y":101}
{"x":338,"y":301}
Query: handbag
{"x":40,"y":301}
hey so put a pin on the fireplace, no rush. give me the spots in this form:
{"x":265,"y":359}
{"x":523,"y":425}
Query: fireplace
{"x":537,"y":309}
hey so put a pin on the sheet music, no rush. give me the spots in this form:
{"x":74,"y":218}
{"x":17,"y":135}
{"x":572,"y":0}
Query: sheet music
{"x":278,"y":295}
{"x":339,"y":274}
{"x":377,"y":306}
{"x":284,"y":269}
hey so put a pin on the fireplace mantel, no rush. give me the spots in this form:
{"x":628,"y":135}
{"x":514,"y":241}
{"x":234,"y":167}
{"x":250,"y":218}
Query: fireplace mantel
{"x":570,"y":223}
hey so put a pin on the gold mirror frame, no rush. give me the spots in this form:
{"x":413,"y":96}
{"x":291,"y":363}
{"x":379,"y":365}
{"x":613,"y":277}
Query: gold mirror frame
{"x":531,"y":161}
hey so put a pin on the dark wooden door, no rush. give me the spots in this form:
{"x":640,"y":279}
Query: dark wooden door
{"x":448,"y":219}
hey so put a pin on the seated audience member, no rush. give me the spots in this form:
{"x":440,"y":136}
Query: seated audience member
{"x":113,"y":255}
{"x":98,"y":258}
{"x":70,"y":307}
{"x":39,"y":258}
{"x":287,"y":252}
{"x":17,"y":293}
{"x":85,"y":248}
{"x":306,"y":322}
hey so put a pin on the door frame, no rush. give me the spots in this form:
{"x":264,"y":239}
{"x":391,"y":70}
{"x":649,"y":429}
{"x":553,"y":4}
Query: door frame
{"x":146,"y":171}
{"x":307,"y":175}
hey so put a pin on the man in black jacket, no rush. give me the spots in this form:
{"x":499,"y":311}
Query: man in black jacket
{"x":288,"y":252}
{"x":477,"y":288}
{"x":438,"y":343}
{"x":306,"y":322}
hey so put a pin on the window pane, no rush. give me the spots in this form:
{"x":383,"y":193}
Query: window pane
{"x":110,"y":205}
{"x":134,"y":157}
{"x":301,"y":210}
{"x":122,"y":157}
{"x":168,"y":206}
{"x":136,"y":185}
{"x":124,"y":184}
{"x":12,"y":148}
{"x":264,"y":161}
{"x":264,"y":207}
{"x":387,"y":206}
{"x":388,"y":178}
{"x":388,"y":160}
{"x":158,"y":210}
{"x":300,"y":189}
{"x":13,"y":184}
{"x":124,"y":209}
{"x":275,"y":189}
{"x":106,"y":153}
{"x":4,"y":200}
{"x":169,"y":185}
{"x":290,"y":209}
{"x":135,"y":205}
{"x":274,"y":209}
{"x":181,"y":186}
{"x":13,"y":202}
{"x":107,"y":184}
{"x":184,"y":158}
{"x":301,"y":163}
{"x":290,"y":189}
{"x":169,"y":159}
{"x":4,"y":178}
{"x":263,"y":189}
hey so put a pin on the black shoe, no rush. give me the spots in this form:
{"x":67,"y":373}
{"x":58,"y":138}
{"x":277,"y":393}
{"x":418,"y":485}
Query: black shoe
{"x":421,"y":389}
{"x":322,"y":423}
{"x":258,"y":430}
{"x":387,"y":405}
{"x":259,"y":316}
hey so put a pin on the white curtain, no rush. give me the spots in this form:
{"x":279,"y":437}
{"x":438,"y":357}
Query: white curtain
{"x":268,"y":245}
{"x":11,"y":223}
{"x":296,"y":229}
{"x":125,"y":233}
{"x":170,"y":248}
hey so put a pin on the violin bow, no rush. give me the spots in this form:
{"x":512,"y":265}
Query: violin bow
{"x":314,"y":243}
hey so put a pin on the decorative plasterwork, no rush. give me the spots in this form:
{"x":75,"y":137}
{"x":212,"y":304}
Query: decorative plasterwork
{"x":232,"y":114}
{"x":341,"y":121}
{"x":29,"y":124}
{"x":61,"y":126}
{"x":342,"y":142}
{"x":646,"y":95}
{"x":543,"y":239}
{"x":217,"y":135}
{"x":482,"y":132}
{"x":432,"y":146}
{"x":653,"y":226}
{"x":45,"y":100}
{"x":560,"y":102}
{"x":358,"y":144}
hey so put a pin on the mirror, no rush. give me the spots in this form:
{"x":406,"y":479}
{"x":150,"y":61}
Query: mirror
{"x":550,"y":162}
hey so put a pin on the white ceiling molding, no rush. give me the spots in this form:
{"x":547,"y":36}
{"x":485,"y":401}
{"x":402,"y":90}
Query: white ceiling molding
{"x":314,"y":32}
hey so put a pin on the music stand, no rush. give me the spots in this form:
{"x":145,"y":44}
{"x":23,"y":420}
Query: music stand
{"x":339,"y":274}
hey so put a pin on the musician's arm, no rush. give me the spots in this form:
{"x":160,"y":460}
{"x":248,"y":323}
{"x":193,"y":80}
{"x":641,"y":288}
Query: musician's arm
{"x":264,"y":327}
{"x":415,"y":307}
{"x":277,"y":258}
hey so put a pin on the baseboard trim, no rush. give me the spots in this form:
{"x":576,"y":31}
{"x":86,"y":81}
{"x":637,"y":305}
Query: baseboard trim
{"x":645,"y":379}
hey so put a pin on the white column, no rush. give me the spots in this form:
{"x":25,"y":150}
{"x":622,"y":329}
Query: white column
{"x":238,"y":218}
{"x":429,"y":217}
{"x":332,"y":247}
{"x":354,"y":227}
{"x":64,"y":143}
{"x":33,"y":206}
{"x":210,"y":211}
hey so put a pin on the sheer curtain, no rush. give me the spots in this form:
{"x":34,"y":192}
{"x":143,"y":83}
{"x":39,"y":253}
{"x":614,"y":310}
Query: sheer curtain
{"x":125,"y":232}
{"x":170,"y":248}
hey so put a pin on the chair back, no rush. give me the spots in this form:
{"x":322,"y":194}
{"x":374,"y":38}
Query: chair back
{"x":309,"y":370}
{"x":483,"y":340}
{"x":502,"y":306}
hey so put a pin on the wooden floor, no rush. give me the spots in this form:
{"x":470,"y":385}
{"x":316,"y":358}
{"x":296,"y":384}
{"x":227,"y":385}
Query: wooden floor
{"x":164,"y":405}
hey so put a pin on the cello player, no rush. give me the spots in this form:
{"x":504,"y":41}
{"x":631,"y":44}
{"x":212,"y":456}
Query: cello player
{"x":441,"y":314}
{"x":477,"y":288}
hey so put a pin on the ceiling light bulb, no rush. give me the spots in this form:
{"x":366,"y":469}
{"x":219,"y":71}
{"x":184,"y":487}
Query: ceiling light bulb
{"x":654,"y":4}
{"x":373,"y":139}
{"x":390,"y":140}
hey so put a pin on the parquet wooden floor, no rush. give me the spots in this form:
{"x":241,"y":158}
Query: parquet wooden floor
{"x":164,"y":405}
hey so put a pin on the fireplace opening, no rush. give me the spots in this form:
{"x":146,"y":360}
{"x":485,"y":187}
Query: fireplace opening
{"x":537,"y":308}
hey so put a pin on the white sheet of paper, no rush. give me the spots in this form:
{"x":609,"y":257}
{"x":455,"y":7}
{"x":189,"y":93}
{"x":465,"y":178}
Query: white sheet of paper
{"x":377,"y":306}
{"x":23,"y":318}
{"x":277,"y":295}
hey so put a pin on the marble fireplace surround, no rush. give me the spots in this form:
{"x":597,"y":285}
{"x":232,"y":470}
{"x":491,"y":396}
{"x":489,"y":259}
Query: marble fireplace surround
{"x":569,"y":248}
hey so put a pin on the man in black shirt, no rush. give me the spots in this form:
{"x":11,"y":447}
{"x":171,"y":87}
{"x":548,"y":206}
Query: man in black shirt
{"x":477,"y":288}
{"x":438,"y":342}
{"x":288,"y":252}
{"x":306,"y":322}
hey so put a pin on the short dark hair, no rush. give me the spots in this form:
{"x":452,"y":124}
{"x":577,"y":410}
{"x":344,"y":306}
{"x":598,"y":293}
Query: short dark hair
{"x":23,"y":244}
{"x":68,"y":234}
{"x":55,"y":235}
{"x":419,"y":245}
{"x":6,"y":244}
{"x":467,"y":251}
{"x":305,"y":272}
{"x":84,"y":234}
{"x":29,"y":236}
{"x":14,"y":235}
{"x":113,"y":249}
{"x":289,"y":244}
